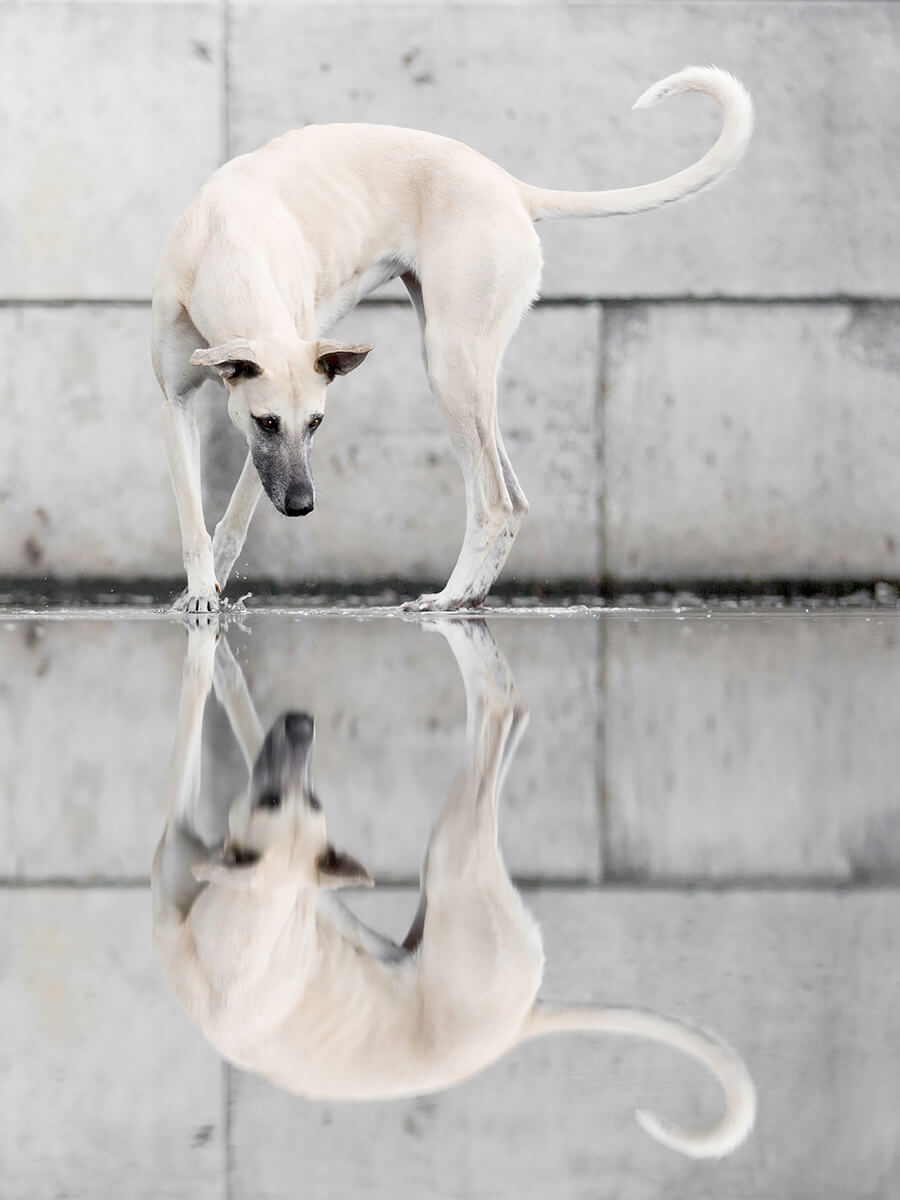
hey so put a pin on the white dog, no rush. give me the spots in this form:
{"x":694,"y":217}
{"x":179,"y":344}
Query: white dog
{"x":281,"y":243}
{"x":285,"y":981}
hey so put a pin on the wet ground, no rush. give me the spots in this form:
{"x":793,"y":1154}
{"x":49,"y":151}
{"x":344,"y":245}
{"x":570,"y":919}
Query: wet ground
{"x":702,"y":814}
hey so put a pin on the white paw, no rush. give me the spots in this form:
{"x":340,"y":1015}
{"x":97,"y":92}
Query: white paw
{"x":442,"y":602}
{"x":425,"y":603}
{"x":198,"y":604}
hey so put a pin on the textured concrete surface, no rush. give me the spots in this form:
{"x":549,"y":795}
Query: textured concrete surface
{"x":752,"y":748}
{"x":105,"y":1088}
{"x":546,"y":90}
{"x":801,"y":984}
{"x":754,"y":754}
{"x":654,"y":441}
{"x":775,"y":455}
{"x":84,"y":486}
{"x":751,"y":442}
{"x":808,"y":213}
{"x":390,"y":496}
{"x":87,"y":723}
{"x":390,"y":719}
{"x":389,"y":493}
{"x":112,"y":118}
{"x":659,"y":750}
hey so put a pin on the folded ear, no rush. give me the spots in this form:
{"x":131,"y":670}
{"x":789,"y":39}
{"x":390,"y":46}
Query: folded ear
{"x":236,"y":359}
{"x":230,"y":868}
{"x":337,"y":869}
{"x":334,"y":358}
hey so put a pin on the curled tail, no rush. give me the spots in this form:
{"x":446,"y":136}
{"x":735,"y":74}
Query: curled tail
{"x":724,"y":154}
{"x":740,"y":1095}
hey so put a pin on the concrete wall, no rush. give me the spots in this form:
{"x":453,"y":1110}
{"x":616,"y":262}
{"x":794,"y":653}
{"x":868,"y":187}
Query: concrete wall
{"x":708,"y":392}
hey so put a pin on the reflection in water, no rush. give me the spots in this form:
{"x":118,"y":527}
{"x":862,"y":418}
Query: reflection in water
{"x":285,"y":981}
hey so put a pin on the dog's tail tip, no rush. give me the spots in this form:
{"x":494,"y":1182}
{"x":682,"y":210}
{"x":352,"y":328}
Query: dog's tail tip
{"x":652,"y":96}
{"x":723,"y":1139}
{"x":714,"y":81}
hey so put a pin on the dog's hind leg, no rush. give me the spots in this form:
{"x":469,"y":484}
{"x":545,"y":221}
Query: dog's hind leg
{"x":469,"y":307}
{"x":485,"y":674}
{"x":480,"y":951}
{"x":231,"y":531}
{"x":463,"y":379}
{"x":499,"y":552}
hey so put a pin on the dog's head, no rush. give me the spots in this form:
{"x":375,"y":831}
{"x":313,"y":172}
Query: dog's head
{"x":276,"y":831}
{"x":276,"y":397}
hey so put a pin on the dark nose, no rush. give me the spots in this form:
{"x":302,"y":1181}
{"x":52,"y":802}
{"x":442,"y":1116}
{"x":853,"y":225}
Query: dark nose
{"x":298,"y":504}
{"x":298,"y":726}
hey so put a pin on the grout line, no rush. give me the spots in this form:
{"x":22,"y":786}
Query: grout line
{"x":600,"y":433}
{"x":226,"y":1127}
{"x":12,"y":883}
{"x":76,"y":302}
{"x":600,"y":430}
{"x":529,"y":884}
{"x":573,"y":301}
{"x":601,"y":776}
{"x":224,"y":111}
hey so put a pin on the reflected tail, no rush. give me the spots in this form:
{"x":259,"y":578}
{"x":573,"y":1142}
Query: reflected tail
{"x":729,"y":1069}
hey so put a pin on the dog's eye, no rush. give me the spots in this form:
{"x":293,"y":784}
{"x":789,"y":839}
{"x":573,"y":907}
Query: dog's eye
{"x":315,"y":422}
{"x":242,"y":368}
{"x":315,"y":803}
{"x":269,"y":423}
{"x":269,"y":800}
{"x":234,"y":857}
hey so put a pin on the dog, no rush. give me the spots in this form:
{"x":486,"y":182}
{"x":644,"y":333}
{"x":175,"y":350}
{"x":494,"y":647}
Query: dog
{"x":281,"y":243}
{"x":286,"y":982}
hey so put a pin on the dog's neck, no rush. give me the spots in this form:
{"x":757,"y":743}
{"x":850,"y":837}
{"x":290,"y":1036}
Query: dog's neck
{"x":280,"y":299}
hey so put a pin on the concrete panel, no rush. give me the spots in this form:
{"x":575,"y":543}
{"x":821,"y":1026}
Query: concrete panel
{"x":545,"y":90}
{"x":745,"y":749}
{"x":390,"y":719}
{"x":389,"y":491}
{"x":802,"y":984}
{"x":758,"y":748}
{"x":87,"y":724}
{"x":105,"y":1088}
{"x":84,"y":486}
{"x":112,"y":119}
{"x":751,"y":442}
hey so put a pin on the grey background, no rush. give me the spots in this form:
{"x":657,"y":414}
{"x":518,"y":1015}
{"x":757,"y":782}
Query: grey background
{"x":705,"y":392}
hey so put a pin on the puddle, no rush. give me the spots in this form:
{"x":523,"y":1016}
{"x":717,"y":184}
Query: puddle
{"x":697,"y":813}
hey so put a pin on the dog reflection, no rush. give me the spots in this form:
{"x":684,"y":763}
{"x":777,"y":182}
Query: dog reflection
{"x":286,"y":982}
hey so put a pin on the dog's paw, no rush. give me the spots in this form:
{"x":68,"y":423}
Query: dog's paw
{"x":202,"y":604}
{"x":424,"y":604}
{"x":436,"y":602}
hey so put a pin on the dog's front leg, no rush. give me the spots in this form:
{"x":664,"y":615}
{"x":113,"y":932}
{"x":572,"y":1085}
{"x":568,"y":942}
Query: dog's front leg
{"x":234,"y":696}
{"x":231,"y":531}
{"x":174,"y":886}
{"x":183,"y":449}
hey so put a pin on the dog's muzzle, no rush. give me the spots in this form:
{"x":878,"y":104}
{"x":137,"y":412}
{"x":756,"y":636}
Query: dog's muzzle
{"x":299,"y":503}
{"x":298,"y":727}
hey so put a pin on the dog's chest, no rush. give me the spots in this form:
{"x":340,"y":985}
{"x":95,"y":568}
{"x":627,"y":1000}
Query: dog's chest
{"x":237,"y":940}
